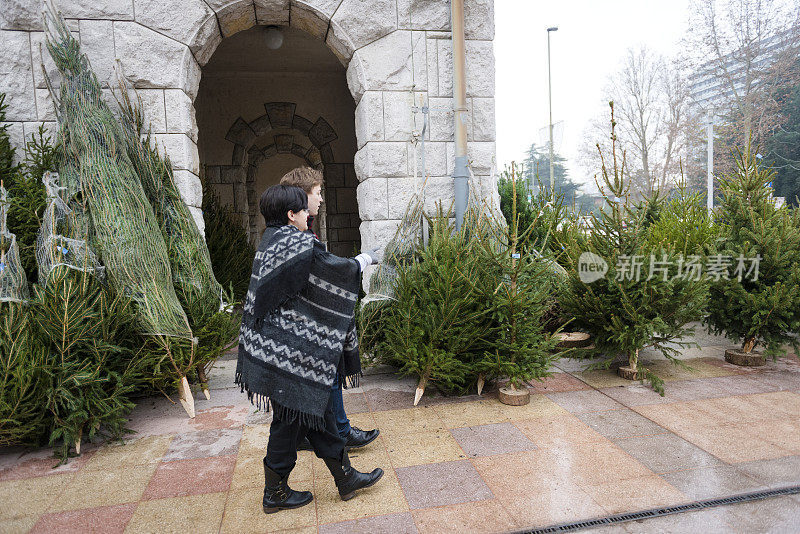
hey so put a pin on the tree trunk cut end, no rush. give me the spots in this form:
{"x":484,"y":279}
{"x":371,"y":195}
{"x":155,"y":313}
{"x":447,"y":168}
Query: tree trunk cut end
{"x":418,"y":395}
{"x":185,"y":394}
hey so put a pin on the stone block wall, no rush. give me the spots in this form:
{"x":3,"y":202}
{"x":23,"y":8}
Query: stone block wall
{"x":398,"y":53}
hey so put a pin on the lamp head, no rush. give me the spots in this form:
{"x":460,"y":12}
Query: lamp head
{"x":552,"y":29}
{"x":273,"y":37}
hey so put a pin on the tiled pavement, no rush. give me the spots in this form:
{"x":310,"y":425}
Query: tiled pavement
{"x":588,"y":445}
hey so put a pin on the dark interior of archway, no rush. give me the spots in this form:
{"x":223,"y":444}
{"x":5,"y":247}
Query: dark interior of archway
{"x":261,"y":112}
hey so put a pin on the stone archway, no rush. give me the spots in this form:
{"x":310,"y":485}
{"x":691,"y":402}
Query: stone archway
{"x":281,"y":130}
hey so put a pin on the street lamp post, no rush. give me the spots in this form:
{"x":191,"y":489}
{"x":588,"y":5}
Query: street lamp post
{"x":550,"y":101}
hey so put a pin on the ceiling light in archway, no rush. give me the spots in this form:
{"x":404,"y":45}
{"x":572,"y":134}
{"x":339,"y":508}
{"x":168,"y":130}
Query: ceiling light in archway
{"x":273,"y":37}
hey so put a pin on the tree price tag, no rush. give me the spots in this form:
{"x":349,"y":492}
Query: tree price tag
{"x":515,"y":255}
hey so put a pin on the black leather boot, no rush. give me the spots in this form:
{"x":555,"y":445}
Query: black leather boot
{"x":357,"y":438}
{"x":348,"y":480}
{"x":279,"y":496}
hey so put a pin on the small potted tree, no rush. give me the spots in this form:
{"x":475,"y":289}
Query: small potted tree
{"x":755,"y":302}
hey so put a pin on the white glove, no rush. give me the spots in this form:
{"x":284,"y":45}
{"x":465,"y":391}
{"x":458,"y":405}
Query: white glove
{"x":373,"y":257}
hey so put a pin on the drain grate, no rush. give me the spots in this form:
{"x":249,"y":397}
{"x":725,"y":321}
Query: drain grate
{"x":667,"y":510}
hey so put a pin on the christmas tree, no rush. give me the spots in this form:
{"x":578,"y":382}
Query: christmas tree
{"x":646,"y":298}
{"x":28,"y":197}
{"x":759,"y":246}
{"x":518,"y":290}
{"x":437,"y":323}
{"x":230,"y":251}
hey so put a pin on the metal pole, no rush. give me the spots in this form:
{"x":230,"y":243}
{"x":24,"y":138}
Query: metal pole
{"x":550,"y":102}
{"x":460,"y":171}
{"x":710,"y":164}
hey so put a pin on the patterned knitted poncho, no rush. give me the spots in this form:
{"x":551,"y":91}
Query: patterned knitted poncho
{"x":297,"y":335}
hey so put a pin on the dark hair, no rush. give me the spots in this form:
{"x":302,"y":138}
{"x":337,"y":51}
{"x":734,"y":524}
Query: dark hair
{"x":280,"y":199}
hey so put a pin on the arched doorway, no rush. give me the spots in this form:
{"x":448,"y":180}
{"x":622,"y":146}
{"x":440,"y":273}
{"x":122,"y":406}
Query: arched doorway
{"x":261,"y":112}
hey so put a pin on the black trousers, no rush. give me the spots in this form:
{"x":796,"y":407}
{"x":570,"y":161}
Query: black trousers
{"x":283,"y":439}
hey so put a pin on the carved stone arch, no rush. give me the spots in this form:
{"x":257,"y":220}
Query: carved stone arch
{"x":291,"y":133}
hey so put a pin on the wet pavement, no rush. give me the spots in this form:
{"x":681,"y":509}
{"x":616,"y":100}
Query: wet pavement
{"x":588,"y":445}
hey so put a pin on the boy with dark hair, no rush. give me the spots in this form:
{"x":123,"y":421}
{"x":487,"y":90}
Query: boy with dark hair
{"x":311,"y":181}
{"x":293,"y":345}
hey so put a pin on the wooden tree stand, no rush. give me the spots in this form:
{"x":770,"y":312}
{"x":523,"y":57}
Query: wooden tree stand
{"x":573,"y":340}
{"x":628,"y":373}
{"x":745,"y":359}
{"x":513,"y":396}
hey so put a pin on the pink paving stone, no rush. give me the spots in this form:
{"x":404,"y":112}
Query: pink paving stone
{"x":488,"y":440}
{"x":38,"y":463}
{"x":204,"y":443}
{"x":106,"y":520}
{"x":191,"y":477}
{"x":219,"y":417}
{"x":440,"y":484}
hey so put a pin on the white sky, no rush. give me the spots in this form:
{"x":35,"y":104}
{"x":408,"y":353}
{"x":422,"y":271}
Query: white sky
{"x":592,"y":39}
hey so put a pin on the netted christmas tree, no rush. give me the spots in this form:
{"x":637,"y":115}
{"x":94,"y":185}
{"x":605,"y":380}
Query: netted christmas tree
{"x":96,"y":170}
{"x":759,"y":246}
{"x":63,"y":238}
{"x":13,"y":284}
{"x":95,"y":358}
{"x":646,"y":298}
{"x":202,"y":297}
{"x":22,"y":374}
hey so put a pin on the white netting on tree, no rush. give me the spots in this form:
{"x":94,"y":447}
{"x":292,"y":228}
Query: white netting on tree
{"x":192,"y":275}
{"x":13,"y":284}
{"x":62,"y":238}
{"x":97,"y":171}
{"x":399,"y":250}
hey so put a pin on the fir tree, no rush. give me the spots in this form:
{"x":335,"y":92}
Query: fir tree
{"x":8,"y":168}
{"x":230,"y":250}
{"x":95,"y":358}
{"x":684,"y":223}
{"x":632,"y":307}
{"x":760,"y":303}
{"x":519,"y":293}
{"x":28,"y":197}
{"x":23,"y":378}
{"x":438,"y":324}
